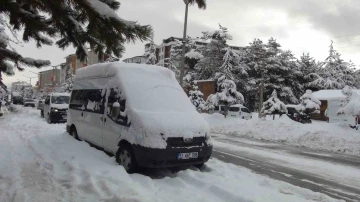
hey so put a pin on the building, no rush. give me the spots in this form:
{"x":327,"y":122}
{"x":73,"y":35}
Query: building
{"x":73,"y":62}
{"x":19,"y":85}
{"x":163,"y":50}
{"x":48,"y":78}
{"x":327,"y":96}
{"x":137,"y":59}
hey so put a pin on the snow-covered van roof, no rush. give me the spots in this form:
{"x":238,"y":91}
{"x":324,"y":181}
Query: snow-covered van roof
{"x":330,"y":94}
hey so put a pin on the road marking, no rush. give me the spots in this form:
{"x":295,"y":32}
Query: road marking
{"x":233,"y":155}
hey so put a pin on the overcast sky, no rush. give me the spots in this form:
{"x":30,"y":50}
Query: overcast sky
{"x":301,"y":26}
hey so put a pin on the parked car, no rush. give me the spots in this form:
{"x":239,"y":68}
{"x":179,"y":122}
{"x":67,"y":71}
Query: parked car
{"x":40,"y":107}
{"x":17,"y":100}
{"x":239,"y":111}
{"x":140,"y":114}
{"x":29,"y":103}
{"x":56,"y":106}
{"x":295,"y":115}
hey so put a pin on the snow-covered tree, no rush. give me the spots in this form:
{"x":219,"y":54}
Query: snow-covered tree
{"x":93,"y":23}
{"x":196,"y":97}
{"x":334,"y":73}
{"x":351,"y":108}
{"x":112,"y":59}
{"x":227,"y":94}
{"x":309,"y":104}
{"x":151,"y":54}
{"x":70,"y":77}
{"x":213,"y":52}
{"x":273,"y":105}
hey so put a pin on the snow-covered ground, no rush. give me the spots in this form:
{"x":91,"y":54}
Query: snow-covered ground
{"x":41,"y":162}
{"x":332,"y":137}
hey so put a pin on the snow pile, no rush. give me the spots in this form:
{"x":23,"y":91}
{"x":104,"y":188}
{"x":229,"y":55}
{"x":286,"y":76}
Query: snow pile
{"x":309,"y":103}
{"x":273,"y":105}
{"x":338,"y":138}
{"x":351,"y":104}
{"x":44,"y":163}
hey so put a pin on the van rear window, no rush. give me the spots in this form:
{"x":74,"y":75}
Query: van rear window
{"x":245,"y":110}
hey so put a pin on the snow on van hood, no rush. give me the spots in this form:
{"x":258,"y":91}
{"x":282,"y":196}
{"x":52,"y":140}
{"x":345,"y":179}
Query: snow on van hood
{"x":170,"y":124}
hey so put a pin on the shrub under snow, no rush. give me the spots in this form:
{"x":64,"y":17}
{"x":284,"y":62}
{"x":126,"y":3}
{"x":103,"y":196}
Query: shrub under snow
{"x":196,"y":98}
{"x":309,"y":103}
{"x":273,"y":105}
{"x":351,"y":104}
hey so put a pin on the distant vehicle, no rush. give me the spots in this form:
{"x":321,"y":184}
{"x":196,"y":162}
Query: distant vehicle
{"x":56,"y":106}
{"x":16,"y":100}
{"x":40,"y":107}
{"x":295,"y":115}
{"x":140,"y":114}
{"x":29,"y":103}
{"x":239,"y":111}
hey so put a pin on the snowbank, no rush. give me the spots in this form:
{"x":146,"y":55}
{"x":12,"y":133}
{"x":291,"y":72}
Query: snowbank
{"x":332,"y":137}
{"x":44,"y":163}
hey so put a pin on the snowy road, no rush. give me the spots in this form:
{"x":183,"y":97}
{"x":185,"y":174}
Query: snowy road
{"x":41,"y":162}
{"x":333,"y":174}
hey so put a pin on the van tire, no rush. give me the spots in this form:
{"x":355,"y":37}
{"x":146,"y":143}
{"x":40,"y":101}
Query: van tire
{"x":73,"y":133}
{"x":126,"y":158}
{"x":199,"y":166}
{"x":42,"y":113}
{"x":243,"y":117}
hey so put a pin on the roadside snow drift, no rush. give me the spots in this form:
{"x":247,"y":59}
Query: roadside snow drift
{"x":41,"y":162}
{"x":333,"y":137}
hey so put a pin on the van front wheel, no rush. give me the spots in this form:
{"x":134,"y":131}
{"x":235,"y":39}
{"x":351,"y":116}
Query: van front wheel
{"x":126,"y":158}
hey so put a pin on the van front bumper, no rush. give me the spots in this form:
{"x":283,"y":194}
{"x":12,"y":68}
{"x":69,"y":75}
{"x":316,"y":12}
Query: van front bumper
{"x":58,"y":116}
{"x":163,"y":158}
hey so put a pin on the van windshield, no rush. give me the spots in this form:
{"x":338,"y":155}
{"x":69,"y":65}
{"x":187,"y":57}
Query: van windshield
{"x":245,"y":110}
{"x":60,"y":99}
{"x":234,"y":109}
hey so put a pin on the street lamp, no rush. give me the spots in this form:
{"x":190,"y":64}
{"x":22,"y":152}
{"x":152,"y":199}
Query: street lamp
{"x":29,"y":78}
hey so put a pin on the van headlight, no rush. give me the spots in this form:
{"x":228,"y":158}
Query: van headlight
{"x":54,"y":110}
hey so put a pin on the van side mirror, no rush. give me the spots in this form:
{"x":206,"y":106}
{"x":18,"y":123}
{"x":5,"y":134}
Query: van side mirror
{"x":115,"y":110}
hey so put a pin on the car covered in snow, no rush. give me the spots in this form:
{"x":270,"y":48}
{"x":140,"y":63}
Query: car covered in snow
{"x":56,"y":106}
{"x":140,"y":114}
{"x":239,"y":111}
{"x":29,"y":102}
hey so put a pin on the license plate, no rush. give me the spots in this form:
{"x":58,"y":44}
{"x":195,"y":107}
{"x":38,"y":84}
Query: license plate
{"x":233,"y":115}
{"x":191,"y":155}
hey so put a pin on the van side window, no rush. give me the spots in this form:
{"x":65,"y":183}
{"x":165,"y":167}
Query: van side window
{"x":95,"y":102}
{"x":116,"y":96}
{"x":76,"y":101}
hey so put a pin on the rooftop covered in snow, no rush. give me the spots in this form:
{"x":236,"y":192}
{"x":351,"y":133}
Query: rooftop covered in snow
{"x":330,"y":94}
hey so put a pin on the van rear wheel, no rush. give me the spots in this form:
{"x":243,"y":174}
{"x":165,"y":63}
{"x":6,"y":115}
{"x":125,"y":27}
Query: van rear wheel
{"x":125,"y":157}
{"x":74,"y":133}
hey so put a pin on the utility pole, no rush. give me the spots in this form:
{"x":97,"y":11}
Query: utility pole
{"x":182,"y":66}
{"x":29,"y":78}
{"x":261,"y":100}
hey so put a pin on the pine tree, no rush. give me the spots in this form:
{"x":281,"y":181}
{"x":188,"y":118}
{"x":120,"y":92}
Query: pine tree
{"x":351,"y":104}
{"x":80,"y":23}
{"x":151,"y":54}
{"x":196,"y":98}
{"x":227,"y":94}
{"x":309,"y":104}
{"x":273,"y":106}
{"x":334,"y":73}
{"x":213,"y":52}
